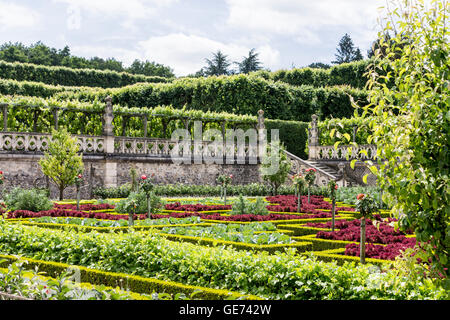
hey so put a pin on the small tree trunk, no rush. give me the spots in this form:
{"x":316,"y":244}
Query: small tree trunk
{"x":225,"y":195}
{"x":149,"y":206}
{"x":362,"y":242}
{"x":130,"y":218}
{"x":309,"y":193}
{"x":78,"y":198}
{"x":61,"y":192}
{"x":299,"y":199}
{"x":333,"y":212}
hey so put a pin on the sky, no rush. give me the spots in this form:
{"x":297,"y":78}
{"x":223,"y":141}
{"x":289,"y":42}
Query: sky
{"x":181,"y":34}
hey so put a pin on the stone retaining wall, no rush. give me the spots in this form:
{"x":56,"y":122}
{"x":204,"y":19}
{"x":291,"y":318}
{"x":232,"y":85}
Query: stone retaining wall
{"x":23,"y":170}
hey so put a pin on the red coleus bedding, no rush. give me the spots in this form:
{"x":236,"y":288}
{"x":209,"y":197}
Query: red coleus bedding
{"x":177,"y":206}
{"x":388,"y":252}
{"x":69,"y":213}
{"x":243,"y":217}
{"x":351,"y":231}
{"x":288,"y":203}
{"x":84,"y":207}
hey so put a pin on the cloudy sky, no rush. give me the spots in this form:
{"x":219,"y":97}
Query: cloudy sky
{"x":182,"y":33}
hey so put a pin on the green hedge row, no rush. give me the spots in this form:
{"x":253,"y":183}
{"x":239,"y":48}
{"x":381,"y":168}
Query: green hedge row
{"x":341,"y":126}
{"x":350,"y":74}
{"x":30,"y":88}
{"x":71,"y":77}
{"x":238,"y":94}
{"x":130,"y":282}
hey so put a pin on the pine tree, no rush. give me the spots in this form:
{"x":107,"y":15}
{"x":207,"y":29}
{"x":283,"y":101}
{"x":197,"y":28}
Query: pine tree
{"x":250,"y":63}
{"x":346,"y":51}
{"x":218,"y":65}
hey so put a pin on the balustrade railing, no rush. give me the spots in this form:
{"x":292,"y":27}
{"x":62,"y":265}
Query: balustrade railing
{"x":38,"y":142}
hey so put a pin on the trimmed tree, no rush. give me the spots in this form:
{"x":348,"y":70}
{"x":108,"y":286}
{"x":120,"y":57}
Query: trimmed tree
{"x":366,"y":206}
{"x":62,"y":163}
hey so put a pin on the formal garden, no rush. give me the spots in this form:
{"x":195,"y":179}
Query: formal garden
{"x":83,"y":216}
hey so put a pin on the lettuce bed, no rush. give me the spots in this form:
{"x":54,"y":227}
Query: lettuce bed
{"x":281,"y":276}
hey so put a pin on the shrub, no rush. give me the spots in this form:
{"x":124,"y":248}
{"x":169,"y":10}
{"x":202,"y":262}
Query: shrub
{"x":140,"y":198}
{"x":27,"y":199}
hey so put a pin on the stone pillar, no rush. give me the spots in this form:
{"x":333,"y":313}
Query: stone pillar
{"x":110,"y":175}
{"x":313,"y":139}
{"x":262,"y":135}
{"x":342,"y":176}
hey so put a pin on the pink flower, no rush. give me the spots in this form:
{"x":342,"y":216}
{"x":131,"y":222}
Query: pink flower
{"x":336,"y":187}
{"x":1,"y":172}
{"x":80,"y":176}
{"x":360,"y":196}
{"x":143,"y":177}
{"x":231,"y":176}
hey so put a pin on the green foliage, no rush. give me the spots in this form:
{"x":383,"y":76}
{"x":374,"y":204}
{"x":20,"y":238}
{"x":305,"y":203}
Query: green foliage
{"x":140,"y":200}
{"x":366,"y":205}
{"x":411,"y":123}
{"x":62,"y":163}
{"x":171,"y":190}
{"x":275,"y":165}
{"x":273,"y":276}
{"x":237,"y":94}
{"x":346,"y":74}
{"x":344,"y":126}
{"x":27,"y":199}
{"x":245,"y":233}
{"x":71,"y":77}
{"x":30,"y":284}
{"x":348,"y":194}
{"x":243,"y":206}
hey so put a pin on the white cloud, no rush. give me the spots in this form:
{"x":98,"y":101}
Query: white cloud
{"x":303,"y":19}
{"x":133,"y":9}
{"x":186,"y":53}
{"x":16,"y":16}
{"x":127,"y":56}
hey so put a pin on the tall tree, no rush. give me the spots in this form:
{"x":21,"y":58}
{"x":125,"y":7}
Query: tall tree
{"x":218,"y":65}
{"x":249,"y":63}
{"x":346,"y":51}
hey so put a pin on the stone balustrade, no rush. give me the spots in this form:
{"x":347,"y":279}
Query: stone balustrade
{"x":38,"y":142}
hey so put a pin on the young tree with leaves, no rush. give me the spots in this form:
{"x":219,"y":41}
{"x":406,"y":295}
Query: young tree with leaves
{"x":275,"y":165}
{"x":62,"y":163}
{"x":411,"y":123}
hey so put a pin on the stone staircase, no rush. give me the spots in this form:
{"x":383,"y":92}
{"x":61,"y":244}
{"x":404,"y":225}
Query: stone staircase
{"x":323,"y":167}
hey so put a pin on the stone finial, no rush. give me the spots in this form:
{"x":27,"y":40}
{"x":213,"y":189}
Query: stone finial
{"x":261,"y":119}
{"x":313,"y":132}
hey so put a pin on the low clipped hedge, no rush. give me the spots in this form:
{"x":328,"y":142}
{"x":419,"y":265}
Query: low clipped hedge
{"x":339,"y":256}
{"x":131,"y":282}
{"x":271,"y":248}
